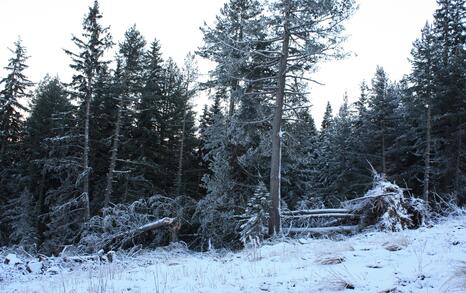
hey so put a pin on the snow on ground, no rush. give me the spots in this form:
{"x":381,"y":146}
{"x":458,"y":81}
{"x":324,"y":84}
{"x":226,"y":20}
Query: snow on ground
{"x":423,"y":260}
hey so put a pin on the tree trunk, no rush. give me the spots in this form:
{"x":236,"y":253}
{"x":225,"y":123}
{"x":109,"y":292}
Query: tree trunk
{"x":125,"y":239}
{"x":234,"y":82}
{"x":427,"y":156}
{"x":384,"y":164}
{"x":459,"y":140}
{"x":275,"y":165}
{"x":40,"y":210}
{"x":3,"y":147}
{"x":233,"y":94}
{"x":113,"y":158}
{"x":179,"y":175}
{"x":87,"y":212}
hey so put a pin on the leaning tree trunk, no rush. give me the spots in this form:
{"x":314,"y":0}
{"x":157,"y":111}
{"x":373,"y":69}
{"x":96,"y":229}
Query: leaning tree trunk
{"x":427,"y":156}
{"x":275,"y":165}
{"x":114,"y":155}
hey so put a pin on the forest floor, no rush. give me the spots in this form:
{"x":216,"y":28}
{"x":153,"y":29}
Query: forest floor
{"x":429,"y":259}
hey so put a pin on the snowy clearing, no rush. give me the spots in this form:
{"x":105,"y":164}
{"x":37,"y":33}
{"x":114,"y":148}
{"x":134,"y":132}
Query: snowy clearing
{"x":430,"y":259}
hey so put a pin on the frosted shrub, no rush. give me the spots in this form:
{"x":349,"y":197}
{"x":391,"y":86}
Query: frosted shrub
{"x":257,"y":209}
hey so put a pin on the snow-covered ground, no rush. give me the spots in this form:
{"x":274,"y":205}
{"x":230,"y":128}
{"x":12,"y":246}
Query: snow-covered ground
{"x":429,"y":259}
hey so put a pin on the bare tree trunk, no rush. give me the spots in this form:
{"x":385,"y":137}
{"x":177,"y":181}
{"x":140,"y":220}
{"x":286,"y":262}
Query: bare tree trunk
{"x":125,"y":193}
{"x":427,"y":156}
{"x":179,"y":175}
{"x":40,"y":205}
{"x":234,"y":88}
{"x":384,"y":166}
{"x":87,"y":211}
{"x":3,"y":148}
{"x":191,"y":75}
{"x":275,"y":165}
{"x":459,"y":139}
{"x":235,"y":83}
{"x":113,"y":158}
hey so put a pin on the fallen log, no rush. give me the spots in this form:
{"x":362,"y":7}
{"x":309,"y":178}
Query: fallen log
{"x":324,"y":230}
{"x":315,"y":212}
{"x":107,"y":257}
{"x":125,"y":239}
{"x":329,"y":215}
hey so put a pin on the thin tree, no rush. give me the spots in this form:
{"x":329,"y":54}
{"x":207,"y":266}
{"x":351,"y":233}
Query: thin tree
{"x":305,"y":32}
{"x":190,"y":74}
{"x":87,"y":62}
{"x":129,"y":80}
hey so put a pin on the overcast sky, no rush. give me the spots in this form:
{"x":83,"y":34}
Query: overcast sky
{"x":380,"y":33}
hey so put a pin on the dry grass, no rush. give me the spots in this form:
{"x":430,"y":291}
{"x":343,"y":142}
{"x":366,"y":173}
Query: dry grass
{"x":392,"y":246}
{"x":337,"y":282}
{"x":330,"y":259}
{"x":457,"y":283}
{"x":397,"y":243}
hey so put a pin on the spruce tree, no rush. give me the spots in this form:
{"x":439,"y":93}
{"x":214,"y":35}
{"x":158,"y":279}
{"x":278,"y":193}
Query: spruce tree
{"x":15,"y":90}
{"x":49,"y":106}
{"x":228,"y":45}
{"x":449,"y":104}
{"x":87,"y":62}
{"x":131,"y":85}
{"x":53,"y":149}
{"x":383,"y":103}
{"x":327,"y":119}
{"x":420,"y":105}
{"x":13,"y":167}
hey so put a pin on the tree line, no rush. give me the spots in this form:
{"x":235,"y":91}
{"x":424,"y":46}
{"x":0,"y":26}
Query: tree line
{"x":123,"y":129}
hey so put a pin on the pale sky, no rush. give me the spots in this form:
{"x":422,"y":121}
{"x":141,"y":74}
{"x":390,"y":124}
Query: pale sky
{"x":380,"y":33}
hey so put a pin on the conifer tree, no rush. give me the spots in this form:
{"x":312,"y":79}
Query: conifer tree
{"x":131,"y":84}
{"x":87,"y":62}
{"x":15,"y":89}
{"x":13,"y":167}
{"x":383,"y":103}
{"x":190,"y":74}
{"x":422,"y":89}
{"x":449,"y":104}
{"x":145,"y":147}
{"x":327,"y":119}
{"x":299,"y":166}
{"x":49,"y":106}
{"x":360,"y":142}
{"x":228,"y":45}
{"x":53,"y":149}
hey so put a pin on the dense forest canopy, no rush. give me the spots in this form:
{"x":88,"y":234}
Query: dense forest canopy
{"x":120,"y":143}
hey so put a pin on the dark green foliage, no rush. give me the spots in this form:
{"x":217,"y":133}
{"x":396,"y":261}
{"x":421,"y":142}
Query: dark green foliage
{"x":15,"y":88}
{"x":13,"y":176}
{"x":130,"y":122}
{"x":257,"y":213}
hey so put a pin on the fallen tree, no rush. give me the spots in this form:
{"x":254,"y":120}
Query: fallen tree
{"x":386,"y":206}
{"x":148,"y":222}
{"x":127,"y":239}
{"x":324,"y":230}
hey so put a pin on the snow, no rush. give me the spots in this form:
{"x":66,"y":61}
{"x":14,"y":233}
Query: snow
{"x":34,"y":267}
{"x":422,"y":260}
{"x":12,"y":259}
